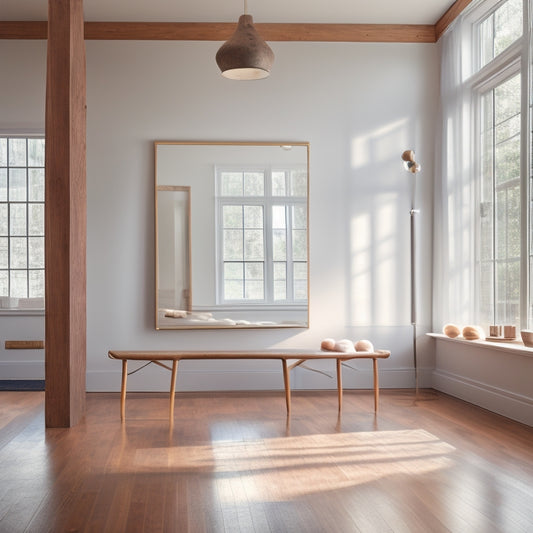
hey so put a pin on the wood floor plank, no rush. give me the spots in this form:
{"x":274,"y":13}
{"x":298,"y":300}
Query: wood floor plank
{"x":233,"y":462}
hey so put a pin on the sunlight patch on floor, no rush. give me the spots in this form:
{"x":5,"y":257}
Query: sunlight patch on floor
{"x":289,"y":467}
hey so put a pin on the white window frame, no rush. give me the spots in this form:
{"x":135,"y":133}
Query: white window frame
{"x":8,"y":303}
{"x":512,"y":61}
{"x":267,"y":202}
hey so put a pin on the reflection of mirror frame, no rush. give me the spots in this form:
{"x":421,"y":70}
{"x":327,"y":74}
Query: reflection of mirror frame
{"x":186,"y":295}
{"x":161,"y":186}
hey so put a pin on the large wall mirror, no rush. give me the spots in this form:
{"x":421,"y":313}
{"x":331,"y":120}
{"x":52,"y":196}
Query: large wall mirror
{"x":231,"y":222}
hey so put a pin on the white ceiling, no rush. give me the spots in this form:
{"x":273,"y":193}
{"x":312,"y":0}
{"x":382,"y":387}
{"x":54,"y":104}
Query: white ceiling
{"x":276,"y":11}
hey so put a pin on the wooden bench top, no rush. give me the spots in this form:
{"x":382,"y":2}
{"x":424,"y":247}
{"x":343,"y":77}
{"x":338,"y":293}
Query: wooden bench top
{"x":280,"y":354}
{"x":289,"y":357}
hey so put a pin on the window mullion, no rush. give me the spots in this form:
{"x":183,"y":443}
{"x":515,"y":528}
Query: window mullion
{"x":525,"y":166}
{"x":27,"y":232}
{"x":269,"y":251}
{"x":494,"y":216}
{"x":290,"y":254}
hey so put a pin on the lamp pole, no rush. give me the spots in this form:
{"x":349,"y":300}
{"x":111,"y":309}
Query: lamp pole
{"x":413,"y":167}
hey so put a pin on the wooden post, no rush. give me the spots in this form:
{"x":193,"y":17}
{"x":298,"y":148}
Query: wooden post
{"x":65,"y":215}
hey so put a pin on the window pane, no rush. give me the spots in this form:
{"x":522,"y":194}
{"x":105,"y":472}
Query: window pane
{"x":36,"y":152}
{"x":279,"y":187}
{"x":253,"y":245}
{"x":300,"y":290}
{"x":3,"y":219}
{"x":254,"y":281}
{"x":18,"y":283}
{"x":254,"y":271}
{"x":233,"y":281}
{"x":280,"y":290}
{"x":233,"y":290}
{"x":4,"y":254}
{"x":232,"y":216}
{"x":233,"y":246}
{"x":233,"y":271}
{"x":36,"y":185}
{"x":501,"y":29}
{"x":17,"y":152}
{"x":507,"y":292}
{"x":486,"y":296}
{"x":299,"y":245}
{"x":18,"y":252}
{"x":17,"y":219}
{"x":507,"y":160}
{"x":507,"y":100}
{"x":254,"y":184}
{"x":300,"y":281}
{"x":507,"y":25}
{"x":36,"y":219}
{"x":279,"y":245}
{"x":254,"y":290}
{"x":279,"y":217}
{"x":299,"y":217}
{"x":299,"y":183}
{"x":3,"y":152}
{"x":36,"y":252}
{"x":232,"y":184}
{"x":253,"y":216}
{"x":17,"y":185}
{"x":36,"y":282}
{"x":3,"y":184}
{"x":4,"y":283}
{"x":280,"y":281}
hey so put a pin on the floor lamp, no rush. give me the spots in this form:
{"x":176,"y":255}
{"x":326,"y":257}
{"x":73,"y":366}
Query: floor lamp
{"x":413,"y":167}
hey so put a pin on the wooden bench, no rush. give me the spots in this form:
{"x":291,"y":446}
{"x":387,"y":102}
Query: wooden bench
{"x":289,"y":358}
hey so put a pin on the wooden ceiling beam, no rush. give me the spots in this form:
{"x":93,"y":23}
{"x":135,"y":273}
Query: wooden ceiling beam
{"x":220,"y":31}
{"x":214,"y":31}
{"x":23,"y":29}
{"x":455,"y":10}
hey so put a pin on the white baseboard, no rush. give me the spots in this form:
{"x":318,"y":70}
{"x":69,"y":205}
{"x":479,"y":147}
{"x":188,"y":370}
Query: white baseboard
{"x":504,"y":402}
{"x":21,"y":369}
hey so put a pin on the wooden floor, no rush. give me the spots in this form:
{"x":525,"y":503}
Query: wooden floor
{"x":232,"y":462}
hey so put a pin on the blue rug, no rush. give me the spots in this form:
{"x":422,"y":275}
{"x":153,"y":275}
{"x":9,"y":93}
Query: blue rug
{"x":21,"y":384}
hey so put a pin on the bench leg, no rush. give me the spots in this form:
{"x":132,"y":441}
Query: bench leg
{"x":339,"y":383}
{"x":123,"y":389}
{"x":376,"y":384}
{"x":173,"y":387}
{"x":287,"y":383}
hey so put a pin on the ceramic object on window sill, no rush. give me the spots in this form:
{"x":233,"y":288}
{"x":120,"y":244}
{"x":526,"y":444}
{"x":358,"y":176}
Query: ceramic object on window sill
{"x":527,"y":337}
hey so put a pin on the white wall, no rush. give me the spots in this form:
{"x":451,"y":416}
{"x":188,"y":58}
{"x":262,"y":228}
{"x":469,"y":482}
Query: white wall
{"x":359,"y":105}
{"x":491,"y":376}
{"x":22,"y":89}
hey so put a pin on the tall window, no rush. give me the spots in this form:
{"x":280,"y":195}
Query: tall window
{"x":498,"y":97}
{"x":22,"y":217}
{"x":500,"y":220}
{"x":262,"y":235}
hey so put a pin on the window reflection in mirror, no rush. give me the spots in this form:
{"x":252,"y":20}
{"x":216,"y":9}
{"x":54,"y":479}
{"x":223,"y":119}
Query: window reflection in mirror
{"x":231,"y":235}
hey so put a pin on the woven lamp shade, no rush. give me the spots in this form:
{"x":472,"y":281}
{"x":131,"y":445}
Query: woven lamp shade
{"x":245,"y":56}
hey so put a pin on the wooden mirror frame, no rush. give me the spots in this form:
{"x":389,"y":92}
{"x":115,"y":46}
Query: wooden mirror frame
{"x":186,"y":313}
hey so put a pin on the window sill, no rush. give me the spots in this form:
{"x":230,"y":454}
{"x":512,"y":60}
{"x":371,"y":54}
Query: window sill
{"x":20,"y":311}
{"x":516,"y":348}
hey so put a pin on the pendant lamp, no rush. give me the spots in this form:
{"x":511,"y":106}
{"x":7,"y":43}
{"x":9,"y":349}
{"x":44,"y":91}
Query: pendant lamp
{"x":245,"y":56}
